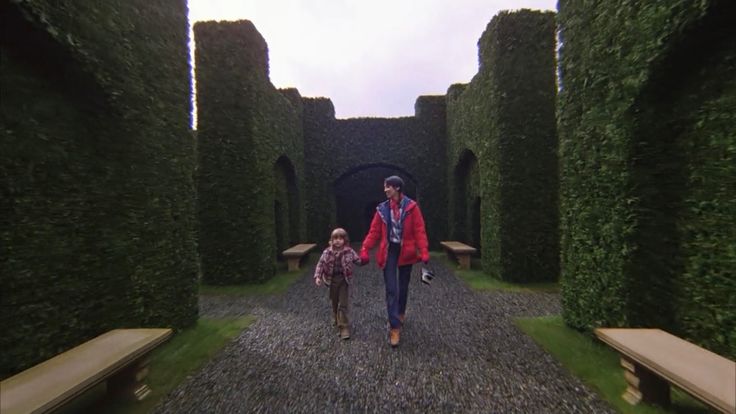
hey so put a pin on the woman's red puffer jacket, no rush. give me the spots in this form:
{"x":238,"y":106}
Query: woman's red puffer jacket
{"x":414,"y":246}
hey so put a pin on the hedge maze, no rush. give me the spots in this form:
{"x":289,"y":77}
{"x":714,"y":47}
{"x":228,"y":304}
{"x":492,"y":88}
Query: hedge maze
{"x":250,"y":138}
{"x":611,"y":170}
{"x":97,"y":223}
{"x":647,"y":124}
{"x":502,"y":155}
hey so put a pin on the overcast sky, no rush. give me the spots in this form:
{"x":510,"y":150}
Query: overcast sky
{"x":371,"y":58}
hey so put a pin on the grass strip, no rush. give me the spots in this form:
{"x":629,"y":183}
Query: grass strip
{"x":170,"y":364}
{"x":183,"y":355}
{"x":277,"y":284}
{"x":477,"y":280}
{"x":597,"y":365}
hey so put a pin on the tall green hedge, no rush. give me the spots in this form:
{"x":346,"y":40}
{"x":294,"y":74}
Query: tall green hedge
{"x":336,"y":149}
{"x":647,"y":121}
{"x":505,"y":119}
{"x":317,"y":125}
{"x":249,"y":138}
{"x":96,"y":162}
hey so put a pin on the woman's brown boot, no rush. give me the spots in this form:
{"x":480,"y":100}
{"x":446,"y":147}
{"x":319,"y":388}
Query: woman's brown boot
{"x":393,"y":337}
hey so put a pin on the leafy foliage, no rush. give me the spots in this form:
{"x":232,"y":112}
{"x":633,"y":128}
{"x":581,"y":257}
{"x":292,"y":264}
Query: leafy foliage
{"x":250,"y":140}
{"x":647,"y":164}
{"x":505,"y":119}
{"x":96,"y":163}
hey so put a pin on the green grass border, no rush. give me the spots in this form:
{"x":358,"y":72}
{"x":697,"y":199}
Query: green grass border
{"x":170,"y":365}
{"x":184,"y":354}
{"x":277,"y":284}
{"x":480,"y":281}
{"x":597,"y":365}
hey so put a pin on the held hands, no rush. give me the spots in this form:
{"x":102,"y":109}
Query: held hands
{"x":364,"y":259}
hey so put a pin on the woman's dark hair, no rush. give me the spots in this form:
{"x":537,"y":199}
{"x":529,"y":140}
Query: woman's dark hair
{"x":394,"y":181}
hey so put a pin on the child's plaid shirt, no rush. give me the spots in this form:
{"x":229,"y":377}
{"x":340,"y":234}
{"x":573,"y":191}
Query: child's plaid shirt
{"x":326,"y":265}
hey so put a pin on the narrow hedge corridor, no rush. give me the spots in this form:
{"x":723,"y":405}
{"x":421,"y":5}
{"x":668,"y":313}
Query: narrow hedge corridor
{"x":459,"y":352}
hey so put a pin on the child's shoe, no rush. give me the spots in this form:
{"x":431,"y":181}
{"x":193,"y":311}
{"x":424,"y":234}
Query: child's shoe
{"x":344,"y":332}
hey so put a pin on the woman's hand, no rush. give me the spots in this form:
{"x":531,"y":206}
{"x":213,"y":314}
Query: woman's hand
{"x":318,"y":281}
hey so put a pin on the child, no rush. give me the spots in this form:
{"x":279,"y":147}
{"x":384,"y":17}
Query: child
{"x":335,"y":270}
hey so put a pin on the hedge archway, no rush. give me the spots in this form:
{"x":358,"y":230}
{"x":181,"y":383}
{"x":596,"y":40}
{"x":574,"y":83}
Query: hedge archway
{"x":466,"y":214}
{"x":286,"y":205}
{"x":358,"y":191}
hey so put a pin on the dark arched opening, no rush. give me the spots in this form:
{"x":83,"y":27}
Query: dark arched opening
{"x":466,"y":200}
{"x":359,"y":190}
{"x":368,"y":211}
{"x":286,"y":205}
{"x":475,"y":237}
{"x":279,"y":227}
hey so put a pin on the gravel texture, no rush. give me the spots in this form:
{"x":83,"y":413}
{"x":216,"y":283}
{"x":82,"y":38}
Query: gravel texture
{"x":459,"y":352}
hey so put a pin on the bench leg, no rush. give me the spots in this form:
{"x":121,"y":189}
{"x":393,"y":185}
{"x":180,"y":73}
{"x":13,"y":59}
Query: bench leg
{"x":128,"y":383}
{"x":464,"y":260}
{"x":293,"y":263}
{"x":644,"y":385}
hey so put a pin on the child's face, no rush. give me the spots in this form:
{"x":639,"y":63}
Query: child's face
{"x":338,"y":242}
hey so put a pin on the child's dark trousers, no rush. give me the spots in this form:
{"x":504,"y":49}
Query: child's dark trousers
{"x":340,"y":300}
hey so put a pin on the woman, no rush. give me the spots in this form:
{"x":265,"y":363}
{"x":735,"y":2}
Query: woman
{"x":399,"y":227}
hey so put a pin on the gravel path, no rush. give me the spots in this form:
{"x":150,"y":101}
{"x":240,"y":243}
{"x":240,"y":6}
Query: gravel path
{"x":459,"y":352}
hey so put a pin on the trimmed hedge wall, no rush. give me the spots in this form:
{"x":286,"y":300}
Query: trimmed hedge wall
{"x":648,"y":160}
{"x":336,"y":149}
{"x":96,"y":162}
{"x":506,"y":118}
{"x":245,"y":127}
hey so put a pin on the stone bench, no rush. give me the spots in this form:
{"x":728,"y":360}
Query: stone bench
{"x":461,"y":251}
{"x":119,"y":356}
{"x":653,"y":359}
{"x":295,"y":253}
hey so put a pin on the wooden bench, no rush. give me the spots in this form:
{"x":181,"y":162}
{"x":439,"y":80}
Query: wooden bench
{"x":461,"y":251}
{"x":295,"y":253}
{"x":653,"y":359}
{"x":120,"y":356}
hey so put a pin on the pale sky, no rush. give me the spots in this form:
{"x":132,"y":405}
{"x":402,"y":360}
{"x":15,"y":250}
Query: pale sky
{"x":371,"y":58}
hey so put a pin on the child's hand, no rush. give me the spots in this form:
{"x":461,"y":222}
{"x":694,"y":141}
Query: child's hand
{"x":317,"y":281}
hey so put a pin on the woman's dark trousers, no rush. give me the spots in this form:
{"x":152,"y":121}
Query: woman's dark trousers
{"x":396,"y":279}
